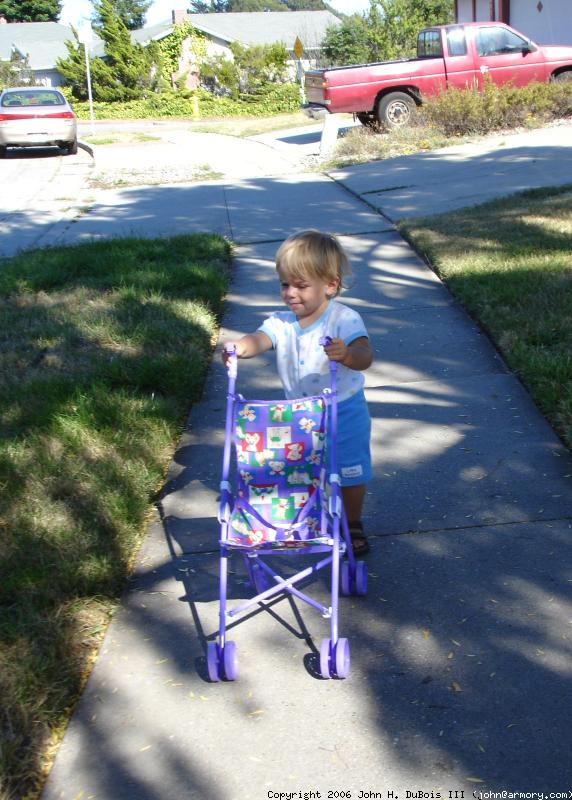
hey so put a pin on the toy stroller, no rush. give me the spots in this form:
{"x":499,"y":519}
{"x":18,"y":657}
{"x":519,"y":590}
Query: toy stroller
{"x":287,"y":502}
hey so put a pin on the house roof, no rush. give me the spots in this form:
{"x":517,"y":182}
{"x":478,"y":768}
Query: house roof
{"x":42,"y":42}
{"x":254,"y":27}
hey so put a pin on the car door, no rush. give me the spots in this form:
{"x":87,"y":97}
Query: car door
{"x":506,"y":56}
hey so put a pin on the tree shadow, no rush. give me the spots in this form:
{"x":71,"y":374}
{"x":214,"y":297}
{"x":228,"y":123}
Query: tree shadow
{"x":460,"y":651}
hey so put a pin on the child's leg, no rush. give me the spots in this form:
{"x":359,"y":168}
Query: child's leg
{"x":353,"y":502}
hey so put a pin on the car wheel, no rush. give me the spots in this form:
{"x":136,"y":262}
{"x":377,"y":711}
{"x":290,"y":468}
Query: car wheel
{"x":3,"y":151}
{"x":395,"y":110}
{"x":71,"y":148}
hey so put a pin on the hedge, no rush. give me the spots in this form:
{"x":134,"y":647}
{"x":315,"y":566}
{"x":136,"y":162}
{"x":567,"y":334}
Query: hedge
{"x":275,"y":100}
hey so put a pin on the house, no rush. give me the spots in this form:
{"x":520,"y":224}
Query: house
{"x":249,"y":29}
{"x":543,"y":21}
{"x":42,"y":43}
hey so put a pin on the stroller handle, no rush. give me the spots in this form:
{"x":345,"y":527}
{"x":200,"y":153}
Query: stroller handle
{"x":324,"y":342}
{"x":232,"y":360}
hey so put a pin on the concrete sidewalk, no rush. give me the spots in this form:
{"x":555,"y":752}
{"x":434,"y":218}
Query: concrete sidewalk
{"x":461,"y":652}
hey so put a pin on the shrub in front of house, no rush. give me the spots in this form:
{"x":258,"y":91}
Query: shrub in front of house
{"x":275,"y":99}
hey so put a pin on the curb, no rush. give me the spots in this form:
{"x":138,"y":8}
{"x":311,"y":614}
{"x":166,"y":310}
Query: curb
{"x":86,"y":147}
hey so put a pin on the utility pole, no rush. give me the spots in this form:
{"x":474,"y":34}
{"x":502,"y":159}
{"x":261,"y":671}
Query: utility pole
{"x":85,"y":36}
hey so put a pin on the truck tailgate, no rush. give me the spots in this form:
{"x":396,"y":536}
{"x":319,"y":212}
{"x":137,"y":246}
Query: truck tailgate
{"x":314,"y":85}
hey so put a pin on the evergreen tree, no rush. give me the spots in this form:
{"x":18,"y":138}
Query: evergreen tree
{"x":31,"y":10}
{"x":130,"y":12}
{"x":221,"y":6}
{"x":256,"y":5}
{"x":128,"y":71}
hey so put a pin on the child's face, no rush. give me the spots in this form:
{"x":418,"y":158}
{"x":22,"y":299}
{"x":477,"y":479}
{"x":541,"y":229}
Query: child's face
{"x":306,"y":297}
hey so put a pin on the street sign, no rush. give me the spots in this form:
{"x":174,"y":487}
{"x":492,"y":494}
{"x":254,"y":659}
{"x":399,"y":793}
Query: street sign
{"x":298,"y":48}
{"x":84,"y":32}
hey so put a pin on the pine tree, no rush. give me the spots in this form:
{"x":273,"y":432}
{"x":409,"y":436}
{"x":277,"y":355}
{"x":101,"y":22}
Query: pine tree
{"x":126,"y":71}
{"x":130,"y":12}
{"x":31,"y":10}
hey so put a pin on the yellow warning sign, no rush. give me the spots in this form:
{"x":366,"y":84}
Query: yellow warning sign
{"x":298,"y":48}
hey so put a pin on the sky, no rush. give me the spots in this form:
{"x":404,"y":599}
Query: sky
{"x":75,"y":10}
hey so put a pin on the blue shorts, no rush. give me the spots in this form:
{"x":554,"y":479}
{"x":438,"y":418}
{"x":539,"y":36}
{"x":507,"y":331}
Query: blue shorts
{"x":354,"y":430}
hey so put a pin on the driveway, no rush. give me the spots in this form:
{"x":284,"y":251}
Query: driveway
{"x":47,"y":192}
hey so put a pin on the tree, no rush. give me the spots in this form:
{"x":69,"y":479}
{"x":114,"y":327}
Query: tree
{"x":31,"y":10}
{"x":394,"y":24}
{"x":130,"y":12}
{"x":249,"y":71}
{"x":348,"y":43}
{"x":388,"y":30}
{"x":222,"y":6}
{"x":16,"y":72}
{"x":256,"y":5}
{"x":127,"y":72}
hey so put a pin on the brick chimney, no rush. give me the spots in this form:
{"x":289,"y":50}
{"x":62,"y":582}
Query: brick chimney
{"x":179,"y":17}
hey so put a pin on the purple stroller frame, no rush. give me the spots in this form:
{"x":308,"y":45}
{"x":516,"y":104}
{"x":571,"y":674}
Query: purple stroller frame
{"x":346,"y":573}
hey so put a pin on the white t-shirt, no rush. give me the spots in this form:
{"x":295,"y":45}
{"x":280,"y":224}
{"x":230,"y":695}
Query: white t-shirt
{"x":302,"y":365}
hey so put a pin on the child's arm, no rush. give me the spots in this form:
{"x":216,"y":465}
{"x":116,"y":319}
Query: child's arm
{"x":358,"y":355}
{"x":248,"y":346}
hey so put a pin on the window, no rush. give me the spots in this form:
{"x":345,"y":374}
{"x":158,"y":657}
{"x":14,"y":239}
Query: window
{"x":36,"y":97}
{"x":429,"y":44}
{"x":456,"y":41}
{"x":492,"y":41}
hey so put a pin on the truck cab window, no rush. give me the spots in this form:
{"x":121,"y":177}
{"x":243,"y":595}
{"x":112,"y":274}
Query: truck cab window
{"x":456,"y":41}
{"x":429,"y":45}
{"x":492,"y":41}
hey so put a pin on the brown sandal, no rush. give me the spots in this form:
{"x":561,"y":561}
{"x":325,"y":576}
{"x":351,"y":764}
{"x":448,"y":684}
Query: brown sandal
{"x":360,"y":545}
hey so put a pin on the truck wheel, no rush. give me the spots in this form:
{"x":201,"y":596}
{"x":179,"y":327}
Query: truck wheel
{"x":394,"y":110}
{"x":563,"y":77}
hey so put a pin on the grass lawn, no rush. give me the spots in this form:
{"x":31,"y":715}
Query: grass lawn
{"x":509,"y":263}
{"x":103,"y":349}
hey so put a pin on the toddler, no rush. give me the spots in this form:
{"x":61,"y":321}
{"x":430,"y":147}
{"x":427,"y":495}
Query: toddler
{"x":311,"y":268}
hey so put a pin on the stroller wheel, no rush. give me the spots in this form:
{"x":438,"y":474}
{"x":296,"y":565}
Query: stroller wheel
{"x":342,"y":658}
{"x":230,"y":659}
{"x":213,"y":661}
{"x":361,"y":578}
{"x":325,"y":658}
{"x":345,"y":578}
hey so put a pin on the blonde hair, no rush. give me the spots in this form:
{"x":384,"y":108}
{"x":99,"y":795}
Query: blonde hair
{"x":312,"y":254}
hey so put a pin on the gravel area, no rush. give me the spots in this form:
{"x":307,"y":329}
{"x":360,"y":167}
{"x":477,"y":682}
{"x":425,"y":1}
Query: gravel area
{"x":178,"y":156}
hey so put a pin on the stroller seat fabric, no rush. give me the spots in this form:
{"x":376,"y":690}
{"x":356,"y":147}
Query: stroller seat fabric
{"x":280,"y":482}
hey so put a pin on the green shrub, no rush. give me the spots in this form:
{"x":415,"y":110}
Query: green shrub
{"x":462,"y":112}
{"x":276,"y":99}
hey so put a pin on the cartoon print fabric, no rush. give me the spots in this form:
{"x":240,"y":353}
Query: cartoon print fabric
{"x":280,"y":454}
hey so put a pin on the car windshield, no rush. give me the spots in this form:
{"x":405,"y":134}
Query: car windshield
{"x":41,"y":97}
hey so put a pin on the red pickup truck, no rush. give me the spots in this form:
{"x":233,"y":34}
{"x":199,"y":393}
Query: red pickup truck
{"x":447,"y":55}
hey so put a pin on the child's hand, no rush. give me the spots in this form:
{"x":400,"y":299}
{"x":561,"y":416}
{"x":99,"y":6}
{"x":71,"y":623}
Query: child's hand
{"x":336,"y":350}
{"x":225,"y":354}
